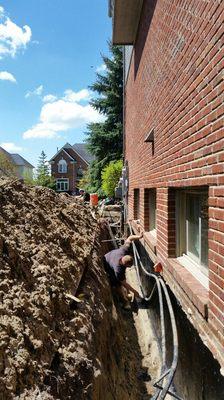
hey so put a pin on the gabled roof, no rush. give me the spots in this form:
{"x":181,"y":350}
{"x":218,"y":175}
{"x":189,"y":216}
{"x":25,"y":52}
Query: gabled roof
{"x":20,"y":161}
{"x":82,"y":150}
{"x":64,"y":148}
{"x":16,"y":159}
{"x":5,"y":152}
{"x":78,"y":148}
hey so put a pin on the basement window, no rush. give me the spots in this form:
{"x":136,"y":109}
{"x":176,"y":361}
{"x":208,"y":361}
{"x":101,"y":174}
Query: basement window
{"x":136,"y":203}
{"x":192,"y":232}
{"x":62,"y":185}
{"x":150,"y":211}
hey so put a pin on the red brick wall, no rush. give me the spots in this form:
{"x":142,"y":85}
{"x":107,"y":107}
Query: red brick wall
{"x":175,"y":86}
{"x":72,"y":169}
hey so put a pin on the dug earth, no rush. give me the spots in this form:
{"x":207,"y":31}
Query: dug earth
{"x":51,"y":346}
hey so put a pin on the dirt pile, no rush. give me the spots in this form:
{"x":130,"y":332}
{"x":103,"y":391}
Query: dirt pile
{"x":45,"y":243}
{"x":50,"y":346}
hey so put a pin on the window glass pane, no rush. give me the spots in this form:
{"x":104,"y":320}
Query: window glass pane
{"x":62,"y":166}
{"x":193,"y":214}
{"x":204,"y":231}
{"x":136,"y":204}
{"x":152,"y":209}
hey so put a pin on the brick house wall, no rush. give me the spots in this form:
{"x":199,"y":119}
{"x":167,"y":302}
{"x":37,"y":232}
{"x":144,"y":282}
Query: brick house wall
{"x":72,"y":167}
{"x":175,"y":87}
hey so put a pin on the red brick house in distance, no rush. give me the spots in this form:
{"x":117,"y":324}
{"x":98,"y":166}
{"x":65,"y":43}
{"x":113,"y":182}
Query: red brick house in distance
{"x":68,"y":166}
{"x":174,"y":149}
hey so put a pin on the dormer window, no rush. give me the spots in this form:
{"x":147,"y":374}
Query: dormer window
{"x":62,"y":166}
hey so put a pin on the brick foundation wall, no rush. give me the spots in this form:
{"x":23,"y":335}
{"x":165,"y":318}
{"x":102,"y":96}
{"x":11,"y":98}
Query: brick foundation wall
{"x":175,"y":87}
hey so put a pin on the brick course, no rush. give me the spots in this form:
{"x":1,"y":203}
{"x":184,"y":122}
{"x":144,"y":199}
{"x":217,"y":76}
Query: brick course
{"x":175,"y":86}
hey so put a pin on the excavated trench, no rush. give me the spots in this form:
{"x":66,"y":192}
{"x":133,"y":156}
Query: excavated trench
{"x":51,"y":346}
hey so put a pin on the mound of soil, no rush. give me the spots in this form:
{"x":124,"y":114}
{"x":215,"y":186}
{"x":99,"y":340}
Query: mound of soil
{"x":52,"y":347}
{"x":46,"y":241}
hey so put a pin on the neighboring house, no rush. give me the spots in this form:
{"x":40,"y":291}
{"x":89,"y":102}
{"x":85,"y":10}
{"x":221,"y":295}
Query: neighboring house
{"x":68,"y":166}
{"x":22,"y":167}
{"x":174,"y":155}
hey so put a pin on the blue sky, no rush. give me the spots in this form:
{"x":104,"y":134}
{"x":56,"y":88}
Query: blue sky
{"x":49,"y":53}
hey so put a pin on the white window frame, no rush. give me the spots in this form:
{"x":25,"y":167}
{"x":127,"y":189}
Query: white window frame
{"x":62,"y":185}
{"x":136,"y":203}
{"x":185,"y":257}
{"x":62,"y":166}
{"x":152,"y":211}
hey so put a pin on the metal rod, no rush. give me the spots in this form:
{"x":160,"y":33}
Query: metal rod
{"x":169,"y":392}
{"x":112,"y":236}
{"x":162,"y":376}
{"x":110,"y":240}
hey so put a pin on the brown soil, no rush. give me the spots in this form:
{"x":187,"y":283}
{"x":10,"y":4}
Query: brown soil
{"x":50,"y":346}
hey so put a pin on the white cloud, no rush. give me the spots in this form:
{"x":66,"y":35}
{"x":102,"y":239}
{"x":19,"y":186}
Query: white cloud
{"x":49,"y":98}
{"x":101,"y":68}
{"x":64,"y":114}
{"x":11,"y":147}
{"x":12,"y":37}
{"x":36,"y":92}
{"x":40,"y":131}
{"x":71,"y":96}
{"x":6,"y":76}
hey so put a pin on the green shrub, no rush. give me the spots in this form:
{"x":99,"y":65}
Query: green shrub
{"x":110,"y":177}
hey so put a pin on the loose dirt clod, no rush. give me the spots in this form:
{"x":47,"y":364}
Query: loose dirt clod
{"x":52,"y":347}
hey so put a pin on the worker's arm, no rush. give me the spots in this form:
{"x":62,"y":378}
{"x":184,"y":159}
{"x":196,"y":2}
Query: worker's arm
{"x":130,"y":288}
{"x":133,"y":237}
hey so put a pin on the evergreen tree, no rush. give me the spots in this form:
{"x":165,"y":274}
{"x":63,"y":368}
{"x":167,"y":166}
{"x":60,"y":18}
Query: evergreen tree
{"x":43,"y":177}
{"x":105,"y":139}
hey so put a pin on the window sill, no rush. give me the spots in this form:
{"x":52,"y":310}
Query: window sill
{"x":194,"y":269}
{"x":197,"y":293}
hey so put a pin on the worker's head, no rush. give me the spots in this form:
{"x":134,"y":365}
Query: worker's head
{"x":127,"y":261}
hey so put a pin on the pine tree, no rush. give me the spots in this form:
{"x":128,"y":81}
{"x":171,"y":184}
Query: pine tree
{"x":43,"y":177}
{"x":105,"y":139}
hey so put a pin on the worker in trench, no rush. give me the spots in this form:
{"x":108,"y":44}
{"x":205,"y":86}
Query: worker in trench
{"x":115,"y":264}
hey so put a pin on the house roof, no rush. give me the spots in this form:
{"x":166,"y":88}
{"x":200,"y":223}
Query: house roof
{"x":20,"y":161}
{"x":79,"y":148}
{"x":5,"y":152}
{"x":16,"y":159}
{"x":82,"y":150}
